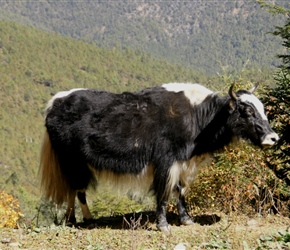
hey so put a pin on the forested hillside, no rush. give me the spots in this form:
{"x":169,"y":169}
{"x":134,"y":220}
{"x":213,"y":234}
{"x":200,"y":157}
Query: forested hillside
{"x":33,"y":66}
{"x":202,"y":35}
{"x":101,"y":44}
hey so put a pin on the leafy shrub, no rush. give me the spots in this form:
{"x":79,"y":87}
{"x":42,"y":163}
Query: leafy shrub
{"x":9,"y":210}
{"x":238,"y":180}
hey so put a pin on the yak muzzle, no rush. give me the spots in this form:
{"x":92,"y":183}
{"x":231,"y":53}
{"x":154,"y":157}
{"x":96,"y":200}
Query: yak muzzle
{"x":270,"y":140}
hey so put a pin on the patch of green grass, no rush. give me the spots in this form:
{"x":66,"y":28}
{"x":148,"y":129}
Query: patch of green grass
{"x":278,"y":239}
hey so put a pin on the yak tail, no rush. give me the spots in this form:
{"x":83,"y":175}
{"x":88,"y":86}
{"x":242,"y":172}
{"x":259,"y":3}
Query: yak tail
{"x":53,"y":183}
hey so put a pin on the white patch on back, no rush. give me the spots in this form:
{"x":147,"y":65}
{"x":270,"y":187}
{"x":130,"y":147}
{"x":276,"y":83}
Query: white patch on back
{"x":256,"y":102}
{"x":195,"y":92}
{"x":59,"y":95}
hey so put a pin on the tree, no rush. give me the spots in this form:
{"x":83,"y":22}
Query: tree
{"x":277,"y":101}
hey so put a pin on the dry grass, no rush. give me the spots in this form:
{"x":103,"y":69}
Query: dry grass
{"x":230,"y":232}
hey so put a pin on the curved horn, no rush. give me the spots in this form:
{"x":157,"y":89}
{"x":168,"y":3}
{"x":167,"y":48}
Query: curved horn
{"x":232,"y":93}
{"x":254,"y":88}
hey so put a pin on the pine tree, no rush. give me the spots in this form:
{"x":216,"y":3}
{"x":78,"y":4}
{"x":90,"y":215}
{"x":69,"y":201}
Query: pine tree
{"x":277,"y":101}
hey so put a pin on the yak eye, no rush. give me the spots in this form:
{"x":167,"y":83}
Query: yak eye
{"x":249,"y":111}
{"x":246,"y":111}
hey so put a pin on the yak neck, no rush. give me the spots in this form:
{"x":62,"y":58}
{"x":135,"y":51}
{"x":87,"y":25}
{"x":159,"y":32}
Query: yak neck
{"x":212,"y":116}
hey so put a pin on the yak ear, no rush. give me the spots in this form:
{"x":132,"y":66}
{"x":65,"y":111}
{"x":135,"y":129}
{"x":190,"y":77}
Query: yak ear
{"x":232,"y":94}
{"x":234,"y":98}
{"x":254,"y":88}
{"x":232,"y":105}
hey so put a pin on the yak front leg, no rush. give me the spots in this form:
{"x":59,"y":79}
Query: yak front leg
{"x":162,"y":192}
{"x":184,"y":217}
{"x":162,"y":223}
{"x":87,"y":216}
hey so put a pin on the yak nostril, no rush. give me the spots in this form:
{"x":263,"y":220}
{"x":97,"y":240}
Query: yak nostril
{"x":274,"y":139}
{"x":270,"y":139}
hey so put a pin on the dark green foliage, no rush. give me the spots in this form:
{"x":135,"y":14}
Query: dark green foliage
{"x":278,"y":101}
{"x":278,"y":108}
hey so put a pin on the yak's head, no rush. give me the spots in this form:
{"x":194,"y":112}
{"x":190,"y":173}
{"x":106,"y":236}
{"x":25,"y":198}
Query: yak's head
{"x":248,"y":119}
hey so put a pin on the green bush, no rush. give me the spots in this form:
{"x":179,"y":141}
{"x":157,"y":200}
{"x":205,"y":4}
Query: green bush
{"x":239,"y":180}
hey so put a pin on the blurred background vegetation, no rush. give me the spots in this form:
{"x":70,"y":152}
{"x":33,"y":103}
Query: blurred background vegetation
{"x":35,"y":64}
{"x":200,"y":35}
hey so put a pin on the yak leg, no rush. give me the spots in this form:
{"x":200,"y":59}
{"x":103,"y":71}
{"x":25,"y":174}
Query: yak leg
{"x":70,"y":211}
{"x":162,"y":195}
{"x":184,"y":217}
{"x":87,"y":216}
{"x":162,"y":223}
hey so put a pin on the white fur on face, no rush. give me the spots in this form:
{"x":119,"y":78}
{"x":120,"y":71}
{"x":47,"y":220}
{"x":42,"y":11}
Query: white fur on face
{"x":256,"y":102}
{"x":196,"y":93}
{"x":270,"y":139}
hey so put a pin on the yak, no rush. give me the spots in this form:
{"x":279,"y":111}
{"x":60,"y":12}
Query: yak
{"x":156,"y":139}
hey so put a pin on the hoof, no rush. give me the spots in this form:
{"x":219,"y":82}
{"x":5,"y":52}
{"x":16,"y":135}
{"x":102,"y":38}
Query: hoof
{"x":70,"y":224}
{"x":90,"y":223}
{"x":187,"y":222}
{"x":164,"y":229}
{"x":70,"y":221}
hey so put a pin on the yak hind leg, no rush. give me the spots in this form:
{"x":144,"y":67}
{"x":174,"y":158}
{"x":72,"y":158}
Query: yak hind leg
{"x":70,"y":211}
{"x":162,"y":193}
{"x":184,"y":217}
{"x":87,"y":216}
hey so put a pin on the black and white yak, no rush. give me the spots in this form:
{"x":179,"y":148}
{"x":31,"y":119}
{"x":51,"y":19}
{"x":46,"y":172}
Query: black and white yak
{"x":157,"y":138}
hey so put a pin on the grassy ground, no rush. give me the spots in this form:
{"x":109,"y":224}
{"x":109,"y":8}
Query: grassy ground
{"x":136,"y":232}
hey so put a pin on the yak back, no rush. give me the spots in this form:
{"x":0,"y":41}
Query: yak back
{"x":122,"y":133}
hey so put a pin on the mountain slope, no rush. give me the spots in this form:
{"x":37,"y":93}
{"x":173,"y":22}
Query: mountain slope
{"x":33,"y":66}
{"x":201,"y":35}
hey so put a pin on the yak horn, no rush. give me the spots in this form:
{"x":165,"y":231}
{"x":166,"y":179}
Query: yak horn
{"x":232,"y":93}
{"x":254,"y":88}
